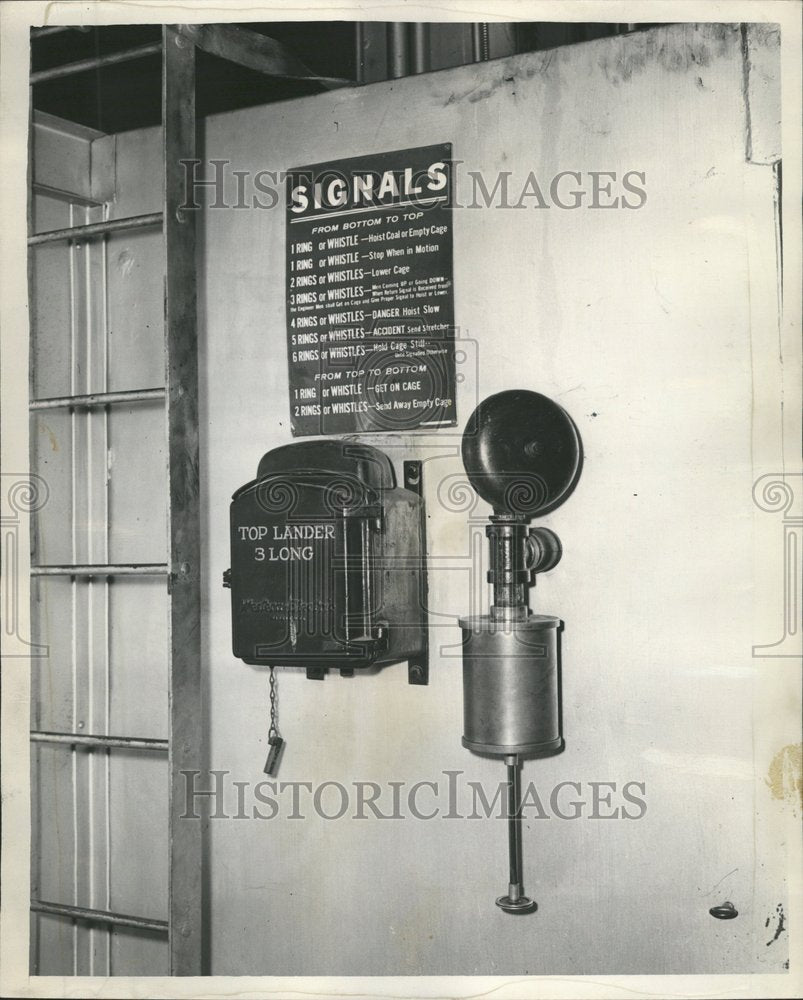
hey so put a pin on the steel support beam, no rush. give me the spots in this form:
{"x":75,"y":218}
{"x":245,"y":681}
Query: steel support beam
{"x":186,"y":839}
{"x":254,"y":51}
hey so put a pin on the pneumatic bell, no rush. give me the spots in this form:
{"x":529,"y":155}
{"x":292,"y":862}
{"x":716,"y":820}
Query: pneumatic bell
{"x":522,"y":454}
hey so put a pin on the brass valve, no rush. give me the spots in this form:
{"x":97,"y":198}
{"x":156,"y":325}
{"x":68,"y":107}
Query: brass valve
{"x":543,"y":550}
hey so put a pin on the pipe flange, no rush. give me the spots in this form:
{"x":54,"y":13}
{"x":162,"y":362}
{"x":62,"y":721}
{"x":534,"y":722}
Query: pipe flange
{"x":521,"y":905}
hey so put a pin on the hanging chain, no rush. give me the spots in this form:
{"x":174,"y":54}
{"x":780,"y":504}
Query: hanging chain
{"x":275,"y":742}
{"x":273,"y":730}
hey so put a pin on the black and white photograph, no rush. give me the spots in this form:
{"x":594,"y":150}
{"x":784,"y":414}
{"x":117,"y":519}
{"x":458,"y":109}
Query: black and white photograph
{"x":402,"y":499}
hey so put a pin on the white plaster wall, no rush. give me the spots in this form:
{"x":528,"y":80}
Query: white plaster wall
{"x":639,"y":323}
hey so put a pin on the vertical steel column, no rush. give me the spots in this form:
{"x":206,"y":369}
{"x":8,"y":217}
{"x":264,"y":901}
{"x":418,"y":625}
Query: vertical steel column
{"x":178,"y":123}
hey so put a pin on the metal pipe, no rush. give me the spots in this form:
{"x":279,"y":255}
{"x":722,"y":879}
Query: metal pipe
{"x":97,"y":399}
{"x":101,"y":569}
{"x":480,"y":41}
{"x":359,"y":51}
{"x":508,"y":573}
{"x":420,"y":47}
{"x":99,"y":916}
{"x":110,"y":742}
{"x":56,"y":29}
{"x":514,"y":824}
{"x":398,"y":50}
{"x":485,"y":42}
{"x":97,"y":229}
{"x":61,"y":195}
{"x":515,"y":901}
{"x":96,"y":62}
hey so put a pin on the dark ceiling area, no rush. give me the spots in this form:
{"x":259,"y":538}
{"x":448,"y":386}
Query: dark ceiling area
{"x":127,"y":95}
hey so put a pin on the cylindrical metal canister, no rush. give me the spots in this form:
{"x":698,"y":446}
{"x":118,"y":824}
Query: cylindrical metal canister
{"x":511,"y":701}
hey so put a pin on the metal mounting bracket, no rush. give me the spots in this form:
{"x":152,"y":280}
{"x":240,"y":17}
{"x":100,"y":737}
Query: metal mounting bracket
{"x":418,"y":666}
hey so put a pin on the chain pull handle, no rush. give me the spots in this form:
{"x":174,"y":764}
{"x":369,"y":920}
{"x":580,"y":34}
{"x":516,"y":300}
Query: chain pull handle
{"x":275,"y":742}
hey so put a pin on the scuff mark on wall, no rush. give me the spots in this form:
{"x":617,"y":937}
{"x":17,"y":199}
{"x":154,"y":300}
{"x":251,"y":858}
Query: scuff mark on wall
{"x":631,"y":54}
{"x":780,"y":925}
{"x":44,"y":429}
{"x":125,"y":262}
{"x":785,"y":775}
{"x":619,"y":59}
{"x":508,"y":73}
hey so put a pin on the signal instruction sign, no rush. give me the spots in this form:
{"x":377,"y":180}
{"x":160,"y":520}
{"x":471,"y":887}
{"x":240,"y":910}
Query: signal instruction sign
{"x":370,"y":293}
